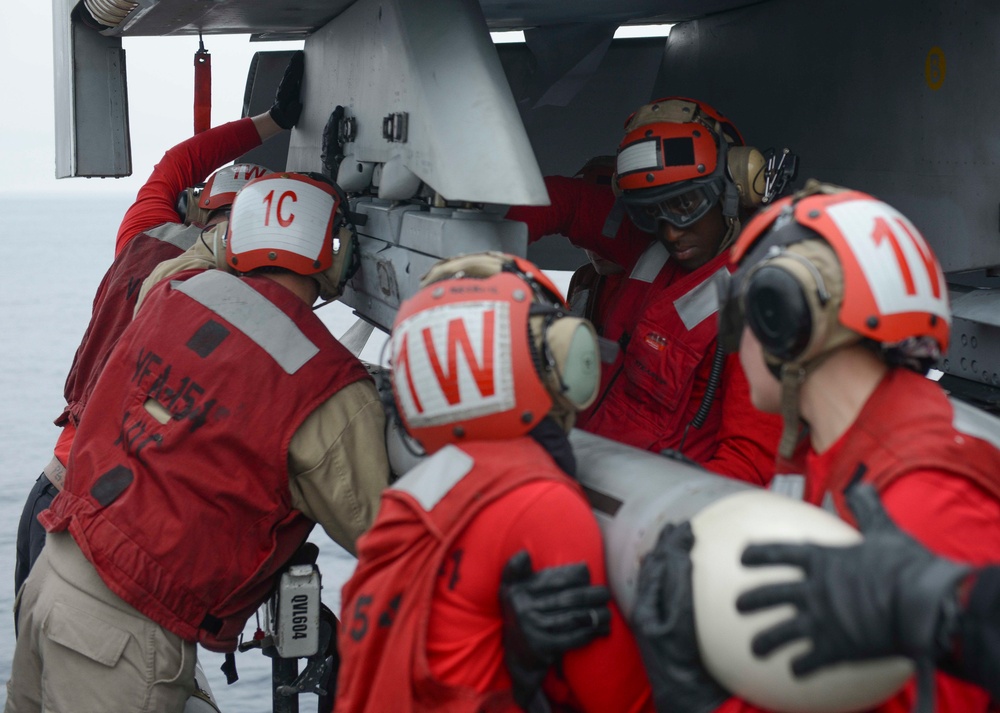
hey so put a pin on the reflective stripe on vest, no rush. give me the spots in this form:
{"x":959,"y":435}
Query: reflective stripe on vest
{"x":177,"y":234}
{"x":702,"y":301}
{"x":614,"y":221}
{"x":830,"y":505}
{"x":649,"y":264}
{"x":435,"y":477}
{"x":791,"y":486}
{"x":794,"y":487}
{"x":973,"y":422}
{"x":253,"y":314}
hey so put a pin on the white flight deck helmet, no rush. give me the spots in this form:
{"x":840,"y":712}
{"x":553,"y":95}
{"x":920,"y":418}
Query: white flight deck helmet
{"x":486,"y":349}
{"x":678,"y":159}
{"x":829,"y":267}
{"x":295,"y":221}
{"x":197,"y":203}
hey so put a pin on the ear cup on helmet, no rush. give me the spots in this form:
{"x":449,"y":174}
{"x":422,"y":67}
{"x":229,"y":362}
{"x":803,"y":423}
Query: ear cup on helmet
{"x":188,"y":206}
{"x":345,"y":263}
{"x":183,"y":201}
{"x":572,"y":345}
{"x":778,"y":311}
{"x":792,"y":298}
{"x":746,"y":167}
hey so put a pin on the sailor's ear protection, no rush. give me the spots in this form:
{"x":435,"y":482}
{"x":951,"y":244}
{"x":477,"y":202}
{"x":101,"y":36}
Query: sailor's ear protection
{"x":184,"y":199}
{"x":746,"y":166}
{"x":187,"y":205}
{"x":571,"y":361}
{"x":346,"y":261}
{"x":787,"y":304}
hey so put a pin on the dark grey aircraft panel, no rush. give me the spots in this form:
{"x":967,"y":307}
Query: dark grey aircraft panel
{"x":272,"y":19}
{"x":892,"y":97}
{"x":266,"y":70}
{"x":502,"y":14}
{"x":585,"y":119}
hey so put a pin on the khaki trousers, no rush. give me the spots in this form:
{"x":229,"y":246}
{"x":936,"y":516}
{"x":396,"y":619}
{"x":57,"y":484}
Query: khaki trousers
{"x":81,"y":649}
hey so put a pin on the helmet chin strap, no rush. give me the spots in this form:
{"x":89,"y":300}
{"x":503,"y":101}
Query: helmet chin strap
{"x":732,"y":230}
{"x":792,"y":376}
{"x":730,"y":198}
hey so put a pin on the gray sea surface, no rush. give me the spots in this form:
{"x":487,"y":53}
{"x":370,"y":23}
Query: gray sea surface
{"x":58,"y":248}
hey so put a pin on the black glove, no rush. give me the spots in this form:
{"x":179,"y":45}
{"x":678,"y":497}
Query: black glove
{"x":546,"y":614}
{"x":287,"y":107}
{"x":883,"y":597}
{"x":663,"y":624}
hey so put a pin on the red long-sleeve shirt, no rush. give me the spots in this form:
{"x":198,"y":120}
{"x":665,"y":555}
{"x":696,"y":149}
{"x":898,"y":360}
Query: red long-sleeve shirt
{"x":186,"y":164}
{"x":464,"y":635}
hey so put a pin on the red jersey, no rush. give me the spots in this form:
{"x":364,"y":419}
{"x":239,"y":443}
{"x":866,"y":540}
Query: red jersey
{"x":430,"y":568}
{"x":114,"y":304}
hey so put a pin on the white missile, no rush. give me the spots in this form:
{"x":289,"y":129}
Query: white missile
{"x":635,"y":493}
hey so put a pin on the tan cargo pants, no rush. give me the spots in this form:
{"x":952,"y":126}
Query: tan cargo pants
{"x":81,"y":649}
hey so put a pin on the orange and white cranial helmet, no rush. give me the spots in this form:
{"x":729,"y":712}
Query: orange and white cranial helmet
{"x":673,"y":163}
{"x":293,"y":221}
{"x":825,"y":269}
{"x":222,"y":186}
{"x":197,"y":204}
{"x":485,"y":351}
{"x":884,"y":283}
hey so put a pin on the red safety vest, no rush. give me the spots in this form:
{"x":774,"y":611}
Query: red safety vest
{"x":653,"y":391}
{"x":907,"y":424}
{"x":114,"y":304}
{"x":387,"y":603}
{"x":178,"y":495}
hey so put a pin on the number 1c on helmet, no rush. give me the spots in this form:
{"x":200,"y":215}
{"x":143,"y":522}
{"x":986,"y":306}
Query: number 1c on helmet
{"x":293,"y":221}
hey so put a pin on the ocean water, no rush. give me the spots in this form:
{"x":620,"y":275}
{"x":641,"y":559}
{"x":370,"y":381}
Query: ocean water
{"x":57,"y":250}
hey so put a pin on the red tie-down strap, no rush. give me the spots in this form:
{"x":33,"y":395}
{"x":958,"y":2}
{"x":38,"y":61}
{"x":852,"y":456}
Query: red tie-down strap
{"x":202,"y":88}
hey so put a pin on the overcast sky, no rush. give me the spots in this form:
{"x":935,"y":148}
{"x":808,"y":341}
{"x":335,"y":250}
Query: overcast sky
{"x":160,"y":87}
{"x":160,"y":95}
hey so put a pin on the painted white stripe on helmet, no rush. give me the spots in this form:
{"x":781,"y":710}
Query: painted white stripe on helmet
{"x":640,"y":156}
{"x":434,"y":478}
{"x":232,"y":178}
{"x":250,"y":312}
{"x":898,"y":265}
{"x":701,"y":302}
{"x":447,"y":381}
{"x":176,"y":234}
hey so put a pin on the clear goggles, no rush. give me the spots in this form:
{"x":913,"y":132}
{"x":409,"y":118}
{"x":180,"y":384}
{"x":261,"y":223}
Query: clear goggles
{"x":681,"y":210}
